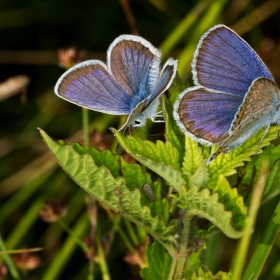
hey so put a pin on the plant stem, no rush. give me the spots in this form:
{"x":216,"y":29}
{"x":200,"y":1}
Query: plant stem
{"x":183,"y":27}
{"x":180,"y":259}
{"x":102,"y":259}
{"x":75,"y":237}
{"x":264,"y":247}
{"x":8,"y":260}
{"x":131,"y":232}
{"x":85,"y":126}
{"x":241,"y":252}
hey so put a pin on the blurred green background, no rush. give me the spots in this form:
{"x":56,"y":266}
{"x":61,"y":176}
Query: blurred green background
{"x":32,"y":32}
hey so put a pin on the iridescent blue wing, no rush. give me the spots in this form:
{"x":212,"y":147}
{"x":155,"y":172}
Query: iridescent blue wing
{"x":223,"y":61}
{"x":165,"y":79}
{"x":134,"y":63}
{"x":89,"y":84}
{"x":206,"y":115}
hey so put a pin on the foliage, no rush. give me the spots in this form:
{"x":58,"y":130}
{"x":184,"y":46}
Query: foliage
{"x":157,"y":207}
{"x":200,"y":190}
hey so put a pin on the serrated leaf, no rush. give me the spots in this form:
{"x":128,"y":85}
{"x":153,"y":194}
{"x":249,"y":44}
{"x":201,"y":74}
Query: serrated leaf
{"x":193,"y":157}
{"x":159,"y":263}
{"x":99,"y":182}
{"x":205,"y":205}
{"x":201,"y":275}
{"x":101,"y":158}
{"x":161,"y":157}
{"x":136,"y":179}
{"x":227,"y":164}
{"x":200,"y":177}
{"x":232,"y":201}
{"x":172,"y":132}
{"x":133,"y":175}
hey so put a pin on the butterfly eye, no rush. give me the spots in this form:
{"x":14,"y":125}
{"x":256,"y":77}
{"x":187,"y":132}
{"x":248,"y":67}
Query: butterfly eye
{"x":137,"y":123}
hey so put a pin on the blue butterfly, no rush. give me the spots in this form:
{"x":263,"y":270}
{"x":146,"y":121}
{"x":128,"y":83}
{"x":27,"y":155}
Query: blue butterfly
{"x":235,"y":94}
{"x":130,"y":84}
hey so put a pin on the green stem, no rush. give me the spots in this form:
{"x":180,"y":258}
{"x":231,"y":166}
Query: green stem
{"x":91,"y":270}
{"x":102,"y":259}
{"x":66,"y":250}
{"x":74,"y":236}
{"x":263,"y":249}
{"x":242,"y":249}
{"x":182,"y":28}
{"x":131,"y":232}
{"x":208,"y":19}
{"x":126,"y":241}
{"x":179,"y":261}
{"x":8,"y":260}
{"x":85,"y":126}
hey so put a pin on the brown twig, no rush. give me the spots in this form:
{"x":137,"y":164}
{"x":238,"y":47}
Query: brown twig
{"x":129,"y":16}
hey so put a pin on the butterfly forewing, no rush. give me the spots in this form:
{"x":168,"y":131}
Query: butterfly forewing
{"x":225,"y":62}
{"x":90,"y":85}
{"x":130,"y":58}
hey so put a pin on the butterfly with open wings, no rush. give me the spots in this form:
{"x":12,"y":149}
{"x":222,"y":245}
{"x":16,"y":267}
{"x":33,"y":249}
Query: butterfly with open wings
{"x":235,"y":94}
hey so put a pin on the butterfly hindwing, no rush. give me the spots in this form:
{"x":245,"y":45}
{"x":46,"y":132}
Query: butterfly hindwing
{"x":206,"y":115}
{"x":165,"y":79}
{"x":258,"y":110}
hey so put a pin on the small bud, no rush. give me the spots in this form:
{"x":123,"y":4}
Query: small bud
{"x":3,"y":271}
{"x":69,"y":57}
{"x":26,"y":261}
{"x":53,"y":211}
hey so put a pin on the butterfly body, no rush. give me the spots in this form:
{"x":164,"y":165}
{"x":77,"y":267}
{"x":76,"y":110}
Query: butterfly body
{"x":129,"y":84}
{"x":235,"y":94}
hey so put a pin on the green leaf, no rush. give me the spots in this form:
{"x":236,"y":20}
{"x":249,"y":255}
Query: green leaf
{"x":201,"y":275}
{"x":133,"y":175}
{"x":161,"y":157}
{"x":232,"y":201}
{"x":272,"y":155}
{"x":200,"y":177}
{"x":193,"y":263}
{"x":136,"y":179}
{"x":99,"y":182}
{"x":205,"y":205}
{"x":159,"y":263}
{"x":227,"y":164}
{"x":193,"y":157}
{"x":194,"y":165}
{"x":172,"y":132}
{"x":104,"y":158}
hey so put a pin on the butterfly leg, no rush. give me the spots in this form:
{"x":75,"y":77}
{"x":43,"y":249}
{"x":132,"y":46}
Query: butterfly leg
{"x":157,"y":115}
